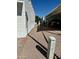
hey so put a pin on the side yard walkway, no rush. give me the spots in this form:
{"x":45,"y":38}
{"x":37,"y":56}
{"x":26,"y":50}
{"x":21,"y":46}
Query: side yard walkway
{"x":35,"y":45}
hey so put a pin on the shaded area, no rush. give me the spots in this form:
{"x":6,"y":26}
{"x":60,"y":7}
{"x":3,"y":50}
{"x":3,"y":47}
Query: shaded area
{"x":55,"y":24}
{"x":54,"y":33}
{"x":43,"y":50}
{"x":56,"y":57}
{"x":37,"y":42}
{"x":45,"y":37}
{"x":26,"y":21}
{"x":41,"y":27}
{"x":52,"y":21}
{"x":44,"y":53}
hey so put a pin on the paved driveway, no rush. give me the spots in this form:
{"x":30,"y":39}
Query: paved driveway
{"x":35,"y":45}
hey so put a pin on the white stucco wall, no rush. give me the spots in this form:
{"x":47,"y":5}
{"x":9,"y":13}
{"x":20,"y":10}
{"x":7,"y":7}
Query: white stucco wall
{"x":22,"y":19}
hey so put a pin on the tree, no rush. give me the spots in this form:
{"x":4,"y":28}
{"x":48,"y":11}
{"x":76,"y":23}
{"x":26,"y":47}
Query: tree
{"x":37,"y":19}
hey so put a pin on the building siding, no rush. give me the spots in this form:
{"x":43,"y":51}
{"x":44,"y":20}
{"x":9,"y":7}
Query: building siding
{"x":25,"y":22}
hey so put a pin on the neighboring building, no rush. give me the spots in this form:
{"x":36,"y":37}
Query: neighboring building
{"x":54,"y":17}
{"x":25,"y":17}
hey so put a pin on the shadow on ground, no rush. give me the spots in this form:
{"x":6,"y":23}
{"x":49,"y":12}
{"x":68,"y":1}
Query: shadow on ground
{"x":37,"y":41}
{"x":42,"y":49}
{"x":43,"y":28}
{"x":44,"y":52}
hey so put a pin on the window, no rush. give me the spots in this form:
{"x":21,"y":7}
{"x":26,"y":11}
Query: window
{"x":19,"y":8}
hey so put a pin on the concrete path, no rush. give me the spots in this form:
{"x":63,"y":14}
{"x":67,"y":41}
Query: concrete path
{"x":35,"y":45}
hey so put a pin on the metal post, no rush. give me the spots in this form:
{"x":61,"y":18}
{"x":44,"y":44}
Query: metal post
{"x":51,"y":47}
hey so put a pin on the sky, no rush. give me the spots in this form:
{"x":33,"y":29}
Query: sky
{"x":43,"y":7}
